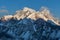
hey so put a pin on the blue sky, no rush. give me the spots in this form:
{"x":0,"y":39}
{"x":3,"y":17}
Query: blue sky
{"x":10,"y":6}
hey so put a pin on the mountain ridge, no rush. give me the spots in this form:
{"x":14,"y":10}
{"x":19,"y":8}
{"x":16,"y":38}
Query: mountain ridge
{"x":44,"y":13}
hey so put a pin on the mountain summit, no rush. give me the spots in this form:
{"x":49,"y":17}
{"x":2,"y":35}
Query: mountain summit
{"x":26,"y":12}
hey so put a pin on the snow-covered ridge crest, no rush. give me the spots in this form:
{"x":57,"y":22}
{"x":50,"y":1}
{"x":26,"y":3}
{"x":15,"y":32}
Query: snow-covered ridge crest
{"x":26,"y":12}
{"x":28,"y":9}
{"x":44,"y":13}
{"x":7,"y":17}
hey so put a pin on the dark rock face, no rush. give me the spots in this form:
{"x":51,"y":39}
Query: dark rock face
{"x":28,"y":29}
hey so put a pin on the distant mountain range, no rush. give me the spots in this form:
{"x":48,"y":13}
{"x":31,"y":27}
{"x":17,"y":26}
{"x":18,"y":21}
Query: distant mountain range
{"x":29,"y":24}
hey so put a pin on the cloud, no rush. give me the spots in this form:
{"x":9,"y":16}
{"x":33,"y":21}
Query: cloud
{"x":3,"y":10}
{"x":2,"y":7}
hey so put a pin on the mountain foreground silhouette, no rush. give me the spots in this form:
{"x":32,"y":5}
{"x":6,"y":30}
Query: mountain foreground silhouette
{"x":29,"y":24}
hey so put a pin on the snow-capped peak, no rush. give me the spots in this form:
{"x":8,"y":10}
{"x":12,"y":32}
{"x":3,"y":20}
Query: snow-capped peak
{"x":26,"y":12}
{"x":28,"y":9}
{"x":44,"y":13}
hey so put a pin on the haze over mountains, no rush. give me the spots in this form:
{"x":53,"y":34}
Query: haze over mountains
{"x":29,"y":24}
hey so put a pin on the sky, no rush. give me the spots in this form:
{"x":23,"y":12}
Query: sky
{"x":11,"y":6}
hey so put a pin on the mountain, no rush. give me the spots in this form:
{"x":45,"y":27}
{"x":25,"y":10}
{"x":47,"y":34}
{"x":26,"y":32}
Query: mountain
{"x":44,"y":13}
{"x":29,"y":24}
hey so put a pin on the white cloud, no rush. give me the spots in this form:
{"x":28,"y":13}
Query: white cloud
{"x":4,"y":10}
{"x":2,"y":6}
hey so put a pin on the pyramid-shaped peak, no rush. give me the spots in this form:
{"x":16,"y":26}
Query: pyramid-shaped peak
{"x":28,"y":9}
